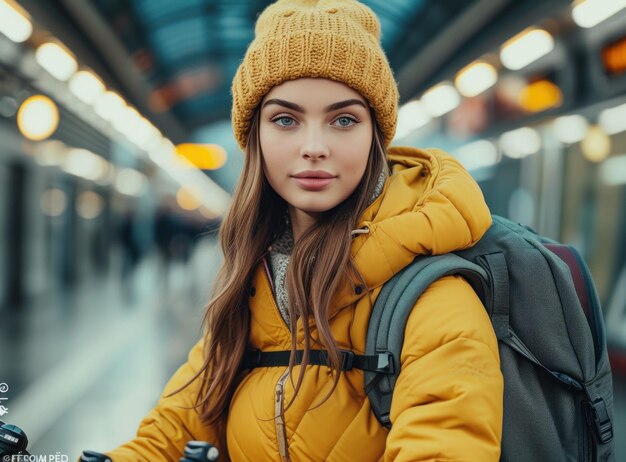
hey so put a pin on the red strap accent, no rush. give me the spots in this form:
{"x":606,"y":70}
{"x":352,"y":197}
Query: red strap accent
{"x":617,"y":358}
{"x":566,"y":254}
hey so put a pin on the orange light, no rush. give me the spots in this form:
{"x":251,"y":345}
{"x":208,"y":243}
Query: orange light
{"x":203,"y":156}
{"x":614,"y":57}
{"x":541,"y":95}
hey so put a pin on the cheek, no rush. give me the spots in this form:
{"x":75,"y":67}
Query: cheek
{"x":273,"y":153}
{"x":355,"y":160}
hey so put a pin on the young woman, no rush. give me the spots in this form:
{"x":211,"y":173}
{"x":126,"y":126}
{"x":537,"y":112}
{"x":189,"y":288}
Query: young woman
{"x":324,"y":214}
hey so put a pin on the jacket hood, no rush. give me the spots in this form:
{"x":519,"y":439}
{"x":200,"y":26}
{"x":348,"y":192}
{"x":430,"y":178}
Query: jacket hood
{"x":430,"y":205}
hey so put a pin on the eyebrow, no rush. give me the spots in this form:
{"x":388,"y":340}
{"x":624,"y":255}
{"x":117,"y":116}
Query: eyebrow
{"x":330,"y":108}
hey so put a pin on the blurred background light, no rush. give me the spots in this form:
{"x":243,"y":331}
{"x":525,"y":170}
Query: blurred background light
{"x":541,"y":95}
{"x":14,"y":24}
{"x":141,"y":132}
{"x":478,"y":154}
{"x":613,"y":120}
{"x":187,"y":199}
{"x":130,"y":182}
{"x":109,"y":105}
{"x":203,"y":156}
{"x":520,"y":143}
{"x":56,"y":60}
{"x":206,"y":213}
{"x":589,"y":13}
{"x":86,"y":86}
{"x":411,"y":116}
{"x":570,"y":129}
{"x":89,"y":205}
{"x":109,"y":176}
{"x":38,"y":117}
{"x":613,"y":170}
{"x":53,"y":202}
{"x":596,"y":146}
{"x":526,"y":48}
{"x":85,"y":164}
{"x":441,"y":99}
{"x":476,"y":78}
{"x":50,"y":153}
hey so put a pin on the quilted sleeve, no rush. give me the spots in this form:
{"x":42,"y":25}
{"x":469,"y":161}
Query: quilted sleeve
{"x":164,"y":432}
{"x":447,"y":402}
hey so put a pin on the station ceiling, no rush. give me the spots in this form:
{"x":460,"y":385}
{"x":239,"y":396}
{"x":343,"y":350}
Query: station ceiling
{"x":174,"y":60}
{"x":189,"y":50}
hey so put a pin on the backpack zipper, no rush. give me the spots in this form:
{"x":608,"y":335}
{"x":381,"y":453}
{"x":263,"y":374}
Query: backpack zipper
{"x":279,"y":406}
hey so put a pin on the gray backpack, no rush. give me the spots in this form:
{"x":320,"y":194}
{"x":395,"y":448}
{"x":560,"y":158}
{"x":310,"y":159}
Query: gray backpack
{"x":558,"y":395}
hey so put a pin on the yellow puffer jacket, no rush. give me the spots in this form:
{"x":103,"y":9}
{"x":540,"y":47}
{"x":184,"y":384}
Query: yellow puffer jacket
{"x":447,"y":404}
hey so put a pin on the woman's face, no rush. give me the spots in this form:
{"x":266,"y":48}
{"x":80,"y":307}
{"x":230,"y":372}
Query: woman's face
{"x":315,"y":136}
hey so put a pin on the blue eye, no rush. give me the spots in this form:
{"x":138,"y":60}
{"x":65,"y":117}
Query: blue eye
{"x":345,"y":122}
{"x":284,"y":121}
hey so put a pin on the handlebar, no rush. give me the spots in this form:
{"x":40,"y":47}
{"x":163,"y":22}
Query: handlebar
{"x":13,"y":440}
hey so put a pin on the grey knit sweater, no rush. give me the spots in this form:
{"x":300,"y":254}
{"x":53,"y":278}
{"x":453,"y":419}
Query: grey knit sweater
{"x":280,"y":254}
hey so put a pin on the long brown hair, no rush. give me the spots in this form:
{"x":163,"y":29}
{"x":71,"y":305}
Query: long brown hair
{"x":319,"y":261}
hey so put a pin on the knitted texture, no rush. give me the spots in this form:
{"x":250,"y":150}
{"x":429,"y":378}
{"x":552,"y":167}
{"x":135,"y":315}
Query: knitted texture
{"x":334,"y":39}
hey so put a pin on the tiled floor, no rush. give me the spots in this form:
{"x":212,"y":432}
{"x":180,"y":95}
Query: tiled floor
{"x":85,"y":370}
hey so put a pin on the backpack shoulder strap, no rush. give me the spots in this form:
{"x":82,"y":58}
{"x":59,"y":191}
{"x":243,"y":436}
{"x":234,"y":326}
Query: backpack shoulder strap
{"x":385,"y":333}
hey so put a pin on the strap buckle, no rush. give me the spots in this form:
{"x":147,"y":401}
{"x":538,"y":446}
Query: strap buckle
{"x":347,"y":360}
{"x":600,"y":419}
{"x":385,"y":363}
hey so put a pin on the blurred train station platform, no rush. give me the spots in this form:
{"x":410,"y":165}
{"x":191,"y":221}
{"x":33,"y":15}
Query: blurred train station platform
{"x":118,"y":162}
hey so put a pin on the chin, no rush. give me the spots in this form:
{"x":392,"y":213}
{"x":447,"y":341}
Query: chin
{"x":315,"y":208}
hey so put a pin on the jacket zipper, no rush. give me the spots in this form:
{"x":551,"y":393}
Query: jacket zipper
{"x":279,"y":390}
{"x":279,"y":405}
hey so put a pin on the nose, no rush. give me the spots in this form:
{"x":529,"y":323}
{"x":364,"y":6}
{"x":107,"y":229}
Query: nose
{"x":315,"y":146}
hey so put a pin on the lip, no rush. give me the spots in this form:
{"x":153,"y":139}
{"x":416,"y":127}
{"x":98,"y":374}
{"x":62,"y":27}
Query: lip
{"x":313,"y":180}
{"x":314,"y":174}
{"x":313,"y":184}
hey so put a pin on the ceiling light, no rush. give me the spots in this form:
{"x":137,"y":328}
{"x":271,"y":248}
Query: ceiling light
{"x":38,"y":117}
{"x":56,"y":60}
{"x":478,"y":154}
{"x":86,"y":164}
{"x":596,"y":145}
{"x":86,"y":86}
{"x":476,"y":78}
{"x":613,"y":120}
{"x":520,"y":143}
{"x":589,"y":13}
{"x":570,"y":129}
{"x":613,"y":170}
{"x":109,"y":105}
{"x":441,"y":99}
{"x":130,"y":182}
{"x":411,"y":116}
{"x":526,"y":48}
{"x":14,"y":24}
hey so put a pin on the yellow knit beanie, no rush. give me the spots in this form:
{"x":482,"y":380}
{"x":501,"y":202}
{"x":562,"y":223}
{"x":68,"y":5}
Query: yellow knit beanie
{"x":334,"y":39}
